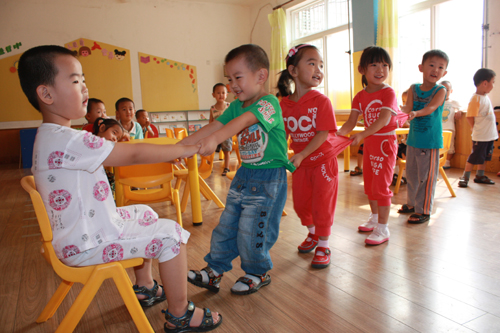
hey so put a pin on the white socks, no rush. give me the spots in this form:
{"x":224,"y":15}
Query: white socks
{"x":322,"y":243}
{"x":312,"y":230}
{"x":240,"y":286}
{"x":373,"y":218}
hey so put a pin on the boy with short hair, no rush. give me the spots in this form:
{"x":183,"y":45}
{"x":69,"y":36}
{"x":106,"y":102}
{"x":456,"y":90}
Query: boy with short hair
{"x":249,"y":225}
{"x":95,"y":109}
{"x":148,"y":129}
{"x":87,"y":226}
{"x":125,"y":110}
{"x":451,"y":112}
{"x":481,"y":118}
{"x":425,"y":107}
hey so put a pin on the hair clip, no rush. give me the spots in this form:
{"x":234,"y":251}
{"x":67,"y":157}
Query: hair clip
{"x":293,"y":51}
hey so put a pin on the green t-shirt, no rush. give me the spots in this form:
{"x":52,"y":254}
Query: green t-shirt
{"x":262,"y":145}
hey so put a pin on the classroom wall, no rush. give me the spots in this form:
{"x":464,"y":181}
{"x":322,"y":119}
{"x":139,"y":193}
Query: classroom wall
{"x":193,"y":32}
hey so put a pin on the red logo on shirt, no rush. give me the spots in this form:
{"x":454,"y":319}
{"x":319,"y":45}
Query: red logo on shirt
{"x":91,"y":141}
{"x":101,"y":190}
{"x":55,"y":160}
{"x":112,"y":252}
{"x":70,"y":250}
{"x":153,"y":248}
{"x":59,"y":199}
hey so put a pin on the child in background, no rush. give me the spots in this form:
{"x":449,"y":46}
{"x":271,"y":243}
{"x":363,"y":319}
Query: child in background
{"x":249,"y":225}
{"x":125,"y":108}
{"x":87,"y":227}
{"x":310,"y":122}
{"x":424,"y":109}
{"x":379,"y":106}
{"x":451,"y":113}
{"x":108,"y":128}
{"x":219,"y":92}
{"x":482,"y":119}
{"x":148,"y":129}
{"x":95,"y":109}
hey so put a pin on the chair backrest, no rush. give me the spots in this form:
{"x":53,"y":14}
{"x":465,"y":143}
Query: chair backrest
{"x":153,"y":181}
{"x":180,"y":133}
{"x":236,"y":149}
{"x":155,"y":132}
{"x":206,"y":166}
{"x":170,"y":133}
{"x":443,"y":152}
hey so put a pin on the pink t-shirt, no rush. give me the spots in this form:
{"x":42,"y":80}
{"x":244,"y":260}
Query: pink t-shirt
{"x":303,"y":119}
{"x":370,"y":105}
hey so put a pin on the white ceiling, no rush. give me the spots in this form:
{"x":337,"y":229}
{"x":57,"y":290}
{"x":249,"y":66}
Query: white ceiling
{"x":248,"y":3}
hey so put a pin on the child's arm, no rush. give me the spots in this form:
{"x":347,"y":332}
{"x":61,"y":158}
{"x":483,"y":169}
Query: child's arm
{"x":409,"y":102}
{"x":315,"y":143}
{"x":141,"y":153}
{"x":383,"y":119}
{"x":436,"y":102}
{"x":349,"y":124}
{"x":471,"y":121}
{"x":211,"y":119}
{"x":209,"y":143}
{"x":201,"y":133}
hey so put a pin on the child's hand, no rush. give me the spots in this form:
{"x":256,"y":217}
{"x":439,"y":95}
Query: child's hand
{"x":357,"y":138}
{"x":189,"y":151}
{"x":297,"y":159}
{"x":208,"y":145}
{"x":125,"y":137}
{"x":411,"y":115}
{"x":458,"y":115}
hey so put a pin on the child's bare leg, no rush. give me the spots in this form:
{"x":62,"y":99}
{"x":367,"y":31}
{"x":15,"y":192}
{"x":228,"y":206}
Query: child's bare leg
{"x":227,"y":157}
{"x":144,"y":278}
{"x":360,"y":161}
{"x":174,"y":276}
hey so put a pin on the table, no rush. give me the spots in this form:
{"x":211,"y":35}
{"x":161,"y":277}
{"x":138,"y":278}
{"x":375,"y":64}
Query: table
{"x":358,"y":129}
{"x":194,"y":180}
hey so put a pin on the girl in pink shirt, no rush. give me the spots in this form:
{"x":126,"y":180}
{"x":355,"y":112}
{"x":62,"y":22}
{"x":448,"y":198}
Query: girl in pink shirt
{"x":378,"y":104}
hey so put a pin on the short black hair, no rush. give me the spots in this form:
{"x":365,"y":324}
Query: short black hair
{"x":370,"y":55}
{"x":37,"y":67}
{"x":436,"y":53}
{"x":138,"y":112}
{"x":121,"y":100}
{"x":218,"y":85}
{"x":91,"y":102}
{"x":107,"y":122}
{"x":483,"y":74}
{"x":255,"y":56}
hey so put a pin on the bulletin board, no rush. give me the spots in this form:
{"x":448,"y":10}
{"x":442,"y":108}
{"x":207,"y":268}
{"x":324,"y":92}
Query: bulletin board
{"x":107,"y":70}
{"x":107,"y":74}
{"x":167,"y":85}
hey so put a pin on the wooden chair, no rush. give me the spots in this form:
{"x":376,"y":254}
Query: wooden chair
{"x":153,"y":182}
{"x":443,"y":153}
{"x":90,"y":276}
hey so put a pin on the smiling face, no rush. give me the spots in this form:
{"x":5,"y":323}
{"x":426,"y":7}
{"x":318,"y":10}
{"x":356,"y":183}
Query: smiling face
{"x":245,"y":84}
{"x":67,"y":98}
{"x":309,"y":71}
{"x":220,"y":94}
{"x":126,"y":110}
{"x":433,"y":69}
{"x":98,"y":110}
{"x":376,"y":73}
{"x":113,"y":133}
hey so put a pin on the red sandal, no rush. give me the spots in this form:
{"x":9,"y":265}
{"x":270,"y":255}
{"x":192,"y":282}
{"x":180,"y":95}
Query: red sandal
{"x":321,"y":261}
{"x":308,"y":246}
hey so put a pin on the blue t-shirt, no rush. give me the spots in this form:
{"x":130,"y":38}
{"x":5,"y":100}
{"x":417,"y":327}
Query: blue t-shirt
{"x":262,"y":145}
{"x":426,"y":132}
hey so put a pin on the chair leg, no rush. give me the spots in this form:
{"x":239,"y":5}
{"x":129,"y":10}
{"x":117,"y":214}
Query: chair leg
{"x":177,"y":204}
{"x":122,"y":282}
{"x":284,"y":213}
{"x":210,"y":193}
{"x":55,"y":301}
{"x":445,"y":178}
{"x":185,"y":196}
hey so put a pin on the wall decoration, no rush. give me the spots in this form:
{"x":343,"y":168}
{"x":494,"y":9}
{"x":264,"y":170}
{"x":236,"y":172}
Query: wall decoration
{"x":167,"y":85}
{"x":9,"y":48}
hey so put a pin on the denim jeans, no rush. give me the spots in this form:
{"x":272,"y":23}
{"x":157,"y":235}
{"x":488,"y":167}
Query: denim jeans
{"x":249,"y":225}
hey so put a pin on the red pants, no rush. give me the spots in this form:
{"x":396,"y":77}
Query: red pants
{"x":379,"y":158}
{"x":315,"y":195}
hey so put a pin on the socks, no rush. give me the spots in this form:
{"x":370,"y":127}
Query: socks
{"x":382,"y":227}
{"x":373,"y":218}
{"x":240,"y":286}
{"x":322,"y":243}
{"x":312,"y":230}
{"x":479,"y":173}
{"x":467,"y":174}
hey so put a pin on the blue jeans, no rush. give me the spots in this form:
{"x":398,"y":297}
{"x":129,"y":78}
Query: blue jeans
{"x":249,"y":225}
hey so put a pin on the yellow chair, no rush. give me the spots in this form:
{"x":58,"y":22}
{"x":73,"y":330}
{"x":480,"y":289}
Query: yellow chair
{"x":170,"y":133}
{"x":153,"y":182}
{"x":204,"y":171}
{"x":443,"y":153}
{"x":180,"y":133}
{"x":90,"y":276}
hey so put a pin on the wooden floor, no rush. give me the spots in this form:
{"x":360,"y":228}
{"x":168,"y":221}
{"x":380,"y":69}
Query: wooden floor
{"x":435,"y":277}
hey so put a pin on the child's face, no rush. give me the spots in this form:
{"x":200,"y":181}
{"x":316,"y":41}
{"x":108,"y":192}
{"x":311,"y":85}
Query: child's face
{"x":126,"y":110}
{"x":113,"y":133}
{"x":489,"y":85}
{"x":69,"y":94}
{"x":376,"y":73}
{"x":245,"y":84}
{"x":433,"y":69}
{"x":404,"y":97}
{"x":98,"y":110}
{"x":143,"y":118}
{"x":220,"y":93}
{"x":309,"y":71}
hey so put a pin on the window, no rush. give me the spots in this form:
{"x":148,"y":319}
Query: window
{"x":324,"y":24}
{"x":454,"y":26}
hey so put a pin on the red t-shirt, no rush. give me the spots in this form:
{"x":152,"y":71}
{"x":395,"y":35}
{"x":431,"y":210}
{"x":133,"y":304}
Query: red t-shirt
{"x":88,"y":128}
{"x":370,"y":105}
{"x":312,"y":113}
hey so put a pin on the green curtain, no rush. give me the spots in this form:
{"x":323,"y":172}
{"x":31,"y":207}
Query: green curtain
{"x":279,"y":47}
{"x":387,"y":36}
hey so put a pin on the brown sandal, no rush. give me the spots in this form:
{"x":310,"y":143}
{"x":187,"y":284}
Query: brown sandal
{"x":356,"y":172}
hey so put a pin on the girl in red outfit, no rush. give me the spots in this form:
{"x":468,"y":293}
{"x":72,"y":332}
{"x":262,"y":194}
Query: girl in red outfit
{"x":378,"y":104}
{"x":310,"y":121}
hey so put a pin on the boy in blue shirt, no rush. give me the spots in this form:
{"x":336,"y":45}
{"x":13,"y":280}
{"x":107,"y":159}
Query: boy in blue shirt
{"x":425,"y":108}
{"x":481,"y":118}
{"x":249,"y":225}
